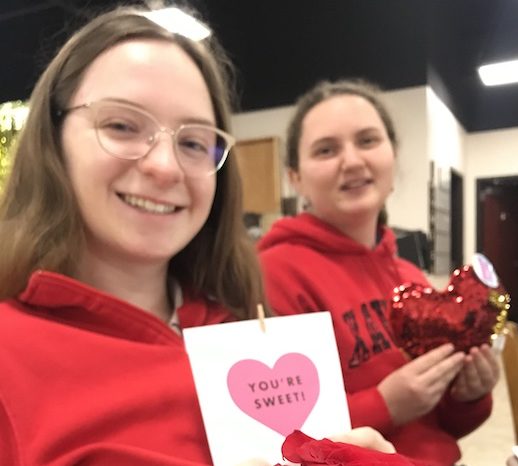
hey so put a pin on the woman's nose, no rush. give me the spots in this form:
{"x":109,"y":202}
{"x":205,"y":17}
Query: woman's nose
{"x":351,"y":155}
{"x":161,"y":161}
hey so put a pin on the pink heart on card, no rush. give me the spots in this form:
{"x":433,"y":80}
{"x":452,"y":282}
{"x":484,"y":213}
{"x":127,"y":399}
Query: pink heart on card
{"x":280,"y":398}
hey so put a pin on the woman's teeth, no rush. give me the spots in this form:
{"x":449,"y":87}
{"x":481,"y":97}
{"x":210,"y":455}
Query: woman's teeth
{"x":355,"y":184}
{"x":147,"y":205}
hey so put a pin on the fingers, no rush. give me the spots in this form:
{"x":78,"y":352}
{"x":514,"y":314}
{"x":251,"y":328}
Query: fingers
{"x":460,"y":387}
{"x":478,"y":376}
{"x":415,"y":388}
{"x":482,"y":367}
{"x":443,"y":372}
{"x":432,"y":357}
{"x":366,"y":437}
{"x":473,"y":372}
{"x":487,"y":363}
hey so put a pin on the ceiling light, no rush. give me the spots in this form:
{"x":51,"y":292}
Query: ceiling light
{"x":496,"y":74}
{"x":179,"y":22}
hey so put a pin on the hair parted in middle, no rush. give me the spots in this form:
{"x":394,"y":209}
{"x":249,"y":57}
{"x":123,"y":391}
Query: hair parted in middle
{"x":323,"y":91}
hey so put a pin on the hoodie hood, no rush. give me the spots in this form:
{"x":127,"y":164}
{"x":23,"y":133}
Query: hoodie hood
{"x":309,"y":231}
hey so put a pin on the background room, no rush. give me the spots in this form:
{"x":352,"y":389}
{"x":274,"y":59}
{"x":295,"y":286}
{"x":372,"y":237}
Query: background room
{"x":457,"y":168}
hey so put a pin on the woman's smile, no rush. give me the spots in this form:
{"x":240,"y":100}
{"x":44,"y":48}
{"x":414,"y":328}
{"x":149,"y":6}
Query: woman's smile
{"x":148,"y":205}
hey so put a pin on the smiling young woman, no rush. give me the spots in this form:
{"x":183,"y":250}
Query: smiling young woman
{"x":120,"y":223}
{"x":339,"y":256}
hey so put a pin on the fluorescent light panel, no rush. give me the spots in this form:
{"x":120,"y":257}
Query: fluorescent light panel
{"x":178,"y":22}
{"x":496,"y":74}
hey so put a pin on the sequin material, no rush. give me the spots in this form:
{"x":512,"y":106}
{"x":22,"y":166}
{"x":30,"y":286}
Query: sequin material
{"x":467,"y":313}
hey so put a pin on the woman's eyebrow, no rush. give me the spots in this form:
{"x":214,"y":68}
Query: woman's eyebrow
{"x":369,"y":128}
{"x":188,"y":120}
{"x":324,"y":139}
{"x":200,"y":121}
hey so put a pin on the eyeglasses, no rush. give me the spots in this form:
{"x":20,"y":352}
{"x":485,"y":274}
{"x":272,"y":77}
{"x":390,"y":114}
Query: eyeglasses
{"x":127,"y":132}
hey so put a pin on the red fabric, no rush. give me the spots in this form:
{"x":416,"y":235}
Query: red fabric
{"x":310,"y":266}
{"x":303,"y":449}
{"x":88,"y":379}
{"x":423,"y":318}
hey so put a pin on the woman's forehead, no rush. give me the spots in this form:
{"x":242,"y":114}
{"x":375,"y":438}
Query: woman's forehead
{"x":156,"y":74}
{"x":340,"y":113}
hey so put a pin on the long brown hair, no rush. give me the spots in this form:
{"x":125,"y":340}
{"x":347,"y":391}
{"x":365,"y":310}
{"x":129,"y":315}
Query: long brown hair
{"x":40,"y":223}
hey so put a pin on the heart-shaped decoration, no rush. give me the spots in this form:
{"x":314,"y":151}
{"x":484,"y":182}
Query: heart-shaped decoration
{"x":280,"y":398}
{"x":467,"y":313}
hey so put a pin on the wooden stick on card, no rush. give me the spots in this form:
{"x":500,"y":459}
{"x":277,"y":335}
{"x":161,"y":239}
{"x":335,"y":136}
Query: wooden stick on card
{"x":260,"y":316}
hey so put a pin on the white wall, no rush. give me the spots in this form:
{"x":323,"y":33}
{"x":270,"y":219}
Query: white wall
{"x":407,"y":107}
{"x":446,"y":137}
{"x":262,"y":123}
{"x":427,"y":131}
{"x":445,"y":143}
{"x":408,"y":205}
{"x":487,"y":154}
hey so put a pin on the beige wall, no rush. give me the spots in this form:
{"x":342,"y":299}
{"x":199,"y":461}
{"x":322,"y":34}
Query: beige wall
{"x":428,"y":131}
{"x":445,"y":147}
{"x":262,"y":123}
{"x":408,"y":205}
{"x":407,"y":107}
{"x":446,"y":137}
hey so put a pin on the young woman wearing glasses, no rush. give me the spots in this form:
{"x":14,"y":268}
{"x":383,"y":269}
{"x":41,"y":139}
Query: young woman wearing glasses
{"x":120,"y":224}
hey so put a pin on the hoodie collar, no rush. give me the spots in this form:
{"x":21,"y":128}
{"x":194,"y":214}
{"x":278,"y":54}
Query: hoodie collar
{"x":60,"y":298}
{"x":307,"y":230}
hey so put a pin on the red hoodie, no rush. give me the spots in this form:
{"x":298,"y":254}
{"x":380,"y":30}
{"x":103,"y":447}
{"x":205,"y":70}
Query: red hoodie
{"x":89,"y":379}
{"x":310,"y":266}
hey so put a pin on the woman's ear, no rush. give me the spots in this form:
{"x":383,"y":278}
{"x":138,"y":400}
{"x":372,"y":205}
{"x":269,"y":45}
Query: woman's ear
{"x":296,"y":181}
{"x":294,"y":177}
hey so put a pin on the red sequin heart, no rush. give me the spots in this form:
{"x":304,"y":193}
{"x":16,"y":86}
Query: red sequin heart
{"x":423,"y":318}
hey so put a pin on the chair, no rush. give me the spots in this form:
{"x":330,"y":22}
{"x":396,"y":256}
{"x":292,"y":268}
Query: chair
{"x":510,"y":365}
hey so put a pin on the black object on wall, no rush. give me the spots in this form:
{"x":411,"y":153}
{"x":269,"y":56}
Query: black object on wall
{"x":413,"y":245}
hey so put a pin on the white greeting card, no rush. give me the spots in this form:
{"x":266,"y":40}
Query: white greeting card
{"x":255,"y":387}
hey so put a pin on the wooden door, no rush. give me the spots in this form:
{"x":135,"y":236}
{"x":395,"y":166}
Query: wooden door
{"x":259,"y":166}
{"x":498,"y":228}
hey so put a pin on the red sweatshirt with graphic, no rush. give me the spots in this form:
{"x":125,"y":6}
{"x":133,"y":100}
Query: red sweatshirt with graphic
{"x":310,"y":266}
{"x":87,"y":379}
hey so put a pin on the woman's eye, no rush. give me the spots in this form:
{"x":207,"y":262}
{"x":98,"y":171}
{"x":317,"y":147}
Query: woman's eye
{"x":369,"y":141}
{"x":324,"y":151}
{"x":192,"y":145}
{"x":120,"y":126}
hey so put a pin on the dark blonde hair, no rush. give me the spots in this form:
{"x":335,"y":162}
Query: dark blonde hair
{"x":40,"y":223}
{"x":325,"y":90}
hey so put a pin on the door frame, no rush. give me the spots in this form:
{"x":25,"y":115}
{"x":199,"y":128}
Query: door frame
{"x":456,"y":218}
{"x":483,"y":184}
